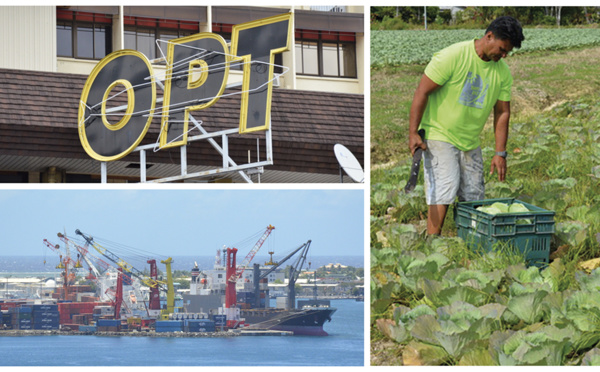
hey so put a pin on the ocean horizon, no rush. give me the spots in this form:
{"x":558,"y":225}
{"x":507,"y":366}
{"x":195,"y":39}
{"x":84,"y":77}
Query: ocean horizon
{"x":47,"y":264}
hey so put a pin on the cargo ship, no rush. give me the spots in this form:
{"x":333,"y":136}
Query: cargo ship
{"x":250,"y":308}
{"x":308,"y":320}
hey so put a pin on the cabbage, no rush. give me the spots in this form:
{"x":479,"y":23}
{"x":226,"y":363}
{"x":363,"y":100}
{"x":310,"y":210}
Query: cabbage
{"x":517,"y":208}
{"x":498,"y":207}
{"x":489,"y":210}
{"x":501,"y":206}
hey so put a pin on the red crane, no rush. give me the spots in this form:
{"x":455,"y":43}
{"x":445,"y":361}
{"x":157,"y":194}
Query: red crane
{"x":230,"y":294}
{"x":233,"y":273}
{"x":240,"y":269}
{"x":154,"y":302}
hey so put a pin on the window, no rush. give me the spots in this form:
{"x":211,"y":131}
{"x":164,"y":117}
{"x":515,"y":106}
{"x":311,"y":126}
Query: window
{"x":83,"y":35}
{"x":141,"y":34}
{"x":328,"y":54}
{"x":225,"y":31}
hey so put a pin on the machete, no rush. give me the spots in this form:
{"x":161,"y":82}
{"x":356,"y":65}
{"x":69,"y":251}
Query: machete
{"x":416,"y":164}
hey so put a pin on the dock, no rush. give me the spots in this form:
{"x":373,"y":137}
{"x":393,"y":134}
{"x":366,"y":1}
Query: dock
{"x":263,"y":332}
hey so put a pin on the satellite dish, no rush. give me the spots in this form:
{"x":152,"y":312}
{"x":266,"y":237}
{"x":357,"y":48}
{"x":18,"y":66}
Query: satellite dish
{"x":348,"y":163}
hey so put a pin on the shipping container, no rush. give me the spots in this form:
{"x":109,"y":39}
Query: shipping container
{"x":46,"y":322}
{"x":169,"y":322}
{"x":89,"y":298}
{"x":108,"y":322}
{"x":22,"y":324}
{"x":19,"y":310}
{"x":200,"y":325}
{"x":169,"y":326}
{"x":7,"y":320}
{"x":46,"y":315}
{"x":45,"y":307}
{"x":17,"y":316}
{"x":46,"y":327}
{"x":146,"y":322}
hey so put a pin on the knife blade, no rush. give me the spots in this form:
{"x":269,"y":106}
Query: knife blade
{"x":416,"y":165}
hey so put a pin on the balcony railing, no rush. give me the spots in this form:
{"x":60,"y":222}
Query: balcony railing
{"x":329,"y":8}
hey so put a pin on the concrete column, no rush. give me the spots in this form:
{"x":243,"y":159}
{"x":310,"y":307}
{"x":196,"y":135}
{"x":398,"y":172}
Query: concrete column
{"x":118,"y":30}
{"x":289,"y":59}
{"x":207,"y":27}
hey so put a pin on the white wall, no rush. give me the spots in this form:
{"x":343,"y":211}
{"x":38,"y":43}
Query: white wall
{"x":28,"y":37}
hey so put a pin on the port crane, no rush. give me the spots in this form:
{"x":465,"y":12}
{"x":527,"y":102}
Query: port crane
{"x":100,"y":273}
{"x":294,"y":273}
{"x":152,"y":282}
{"x":96,"y":266}
{"x":233,"y":273}
{"x":231,"y":311}
{"x":240,"y":269}
{"x":295,"y":270}
{"x":67,"y":264}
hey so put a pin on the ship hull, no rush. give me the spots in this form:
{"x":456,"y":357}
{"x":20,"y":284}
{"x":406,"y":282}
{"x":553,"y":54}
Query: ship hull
{"x":307,"y":322}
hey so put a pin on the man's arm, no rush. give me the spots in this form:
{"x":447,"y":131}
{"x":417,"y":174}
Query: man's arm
{"x":501,"y":119}
{"x":425,"y":88}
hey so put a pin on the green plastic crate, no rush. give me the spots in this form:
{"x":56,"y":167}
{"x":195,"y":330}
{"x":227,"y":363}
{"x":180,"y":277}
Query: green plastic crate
{"x":530,"y":232}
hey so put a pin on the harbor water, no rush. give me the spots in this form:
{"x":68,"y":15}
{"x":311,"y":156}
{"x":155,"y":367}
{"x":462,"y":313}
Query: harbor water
{"x":343,"y":347}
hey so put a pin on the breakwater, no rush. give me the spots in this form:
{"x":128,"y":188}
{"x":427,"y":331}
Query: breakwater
{"x":19,"y":333}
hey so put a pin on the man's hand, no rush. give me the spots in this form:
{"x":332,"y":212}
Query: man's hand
{"x":415,"y":141}
{"x":499,"y":164}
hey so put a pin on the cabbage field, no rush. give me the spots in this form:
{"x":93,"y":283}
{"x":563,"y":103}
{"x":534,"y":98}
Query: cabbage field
{"x":436,"y":301}
{"x":444,"y":304}
{"x":390,"y":48}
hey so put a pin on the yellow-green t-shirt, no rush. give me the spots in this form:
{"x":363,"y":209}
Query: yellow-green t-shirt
{"x":470,"y":87}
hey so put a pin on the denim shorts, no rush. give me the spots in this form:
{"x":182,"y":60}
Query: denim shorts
{"x":450,"y":172}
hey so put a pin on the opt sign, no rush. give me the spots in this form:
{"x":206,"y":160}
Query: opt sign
{"x":197,"y":70}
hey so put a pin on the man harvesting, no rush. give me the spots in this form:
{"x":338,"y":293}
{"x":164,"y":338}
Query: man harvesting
{"x":460,"y":87}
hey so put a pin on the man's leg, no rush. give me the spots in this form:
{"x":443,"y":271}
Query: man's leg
{"x":472,"y":182}
{"x":442,"y":178}
{"x":435,"y":219}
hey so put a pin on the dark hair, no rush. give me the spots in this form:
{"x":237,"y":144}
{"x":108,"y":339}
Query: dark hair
{"x":507,"y":28}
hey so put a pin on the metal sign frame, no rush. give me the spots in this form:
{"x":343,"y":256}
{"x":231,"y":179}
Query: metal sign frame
{"x":228,"y":165}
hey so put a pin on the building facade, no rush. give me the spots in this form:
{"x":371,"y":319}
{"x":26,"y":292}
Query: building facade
{"x":50,"y":51}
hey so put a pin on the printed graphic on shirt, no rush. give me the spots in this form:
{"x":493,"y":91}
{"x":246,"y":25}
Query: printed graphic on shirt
{"x":474,"y":91}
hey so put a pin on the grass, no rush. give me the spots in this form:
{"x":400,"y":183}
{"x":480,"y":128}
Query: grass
{"x":541,"y":81}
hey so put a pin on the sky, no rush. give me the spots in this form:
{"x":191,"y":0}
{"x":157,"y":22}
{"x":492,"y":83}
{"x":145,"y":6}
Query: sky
{"x":184,"y":222}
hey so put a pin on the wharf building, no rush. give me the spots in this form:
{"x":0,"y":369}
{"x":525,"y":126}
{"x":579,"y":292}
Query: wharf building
{"x":50,"y":51}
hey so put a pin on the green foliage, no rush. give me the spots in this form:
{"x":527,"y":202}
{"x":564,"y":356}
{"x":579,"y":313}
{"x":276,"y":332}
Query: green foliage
{"x":393,"y":48}
{"x":481,"y":16}
{"x":349,"y":272}
{"x":393,"y":17}
{"x":446,"y":311}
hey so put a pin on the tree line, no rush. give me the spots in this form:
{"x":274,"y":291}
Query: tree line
{"x":412,"y":17}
